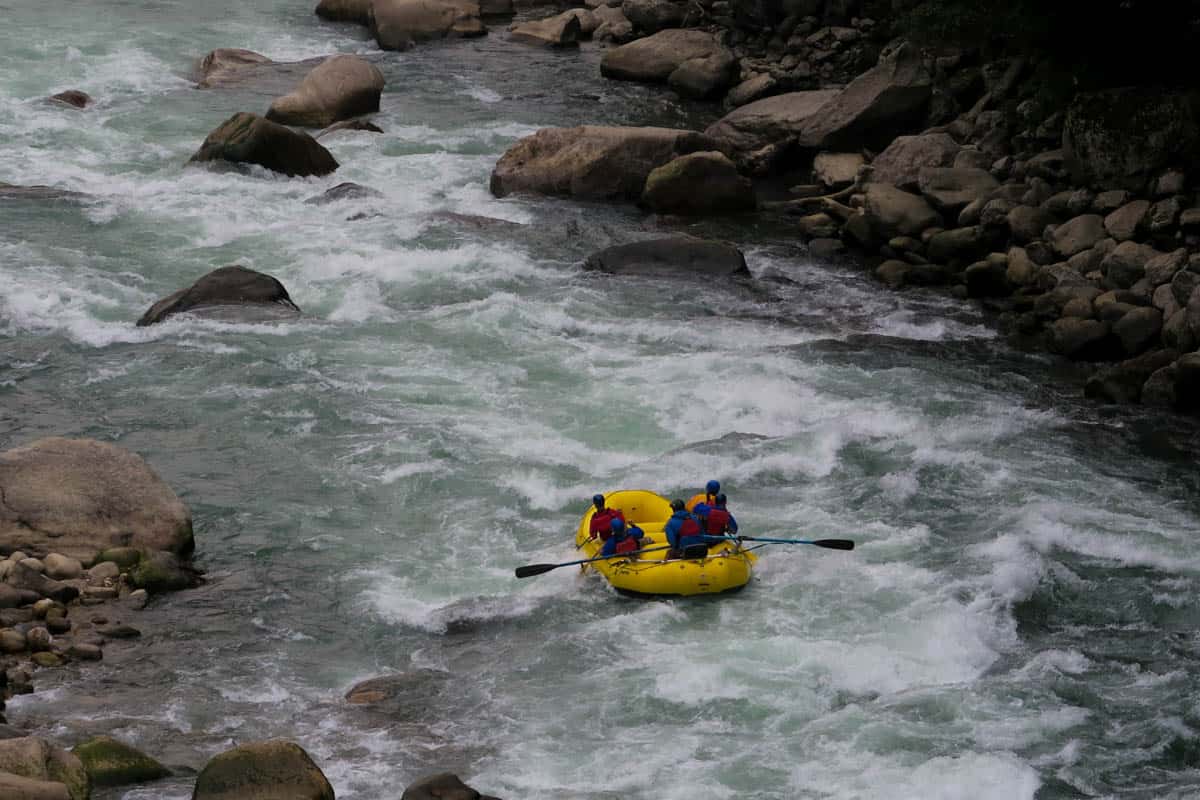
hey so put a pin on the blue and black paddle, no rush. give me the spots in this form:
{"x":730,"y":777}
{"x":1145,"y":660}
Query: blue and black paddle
{"x":529,"y":570}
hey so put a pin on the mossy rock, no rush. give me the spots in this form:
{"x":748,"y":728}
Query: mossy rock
{"x":274,"y":770}
{"x":160,"y":572}
{"x":113,"y":763}
{"x":123,"y":557}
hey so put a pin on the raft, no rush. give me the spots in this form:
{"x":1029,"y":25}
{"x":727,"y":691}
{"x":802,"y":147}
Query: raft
{"x":727,"y":567}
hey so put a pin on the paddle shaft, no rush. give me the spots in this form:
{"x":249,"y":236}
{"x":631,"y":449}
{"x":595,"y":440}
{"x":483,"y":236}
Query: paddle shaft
{"x":529,"y":570}
{"x":832,"y":544}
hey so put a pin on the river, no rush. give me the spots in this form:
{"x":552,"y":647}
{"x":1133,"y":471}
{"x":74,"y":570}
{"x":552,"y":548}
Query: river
{"x":1019,"y":619}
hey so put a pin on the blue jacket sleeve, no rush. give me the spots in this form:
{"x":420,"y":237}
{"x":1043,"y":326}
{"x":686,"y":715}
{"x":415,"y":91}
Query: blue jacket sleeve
{"x":672,"y":531}
{"x":610,"y":547}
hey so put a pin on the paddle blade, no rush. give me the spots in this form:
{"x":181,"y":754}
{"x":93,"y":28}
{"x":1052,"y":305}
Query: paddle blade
{"x":835,"y":544}
{"x":529,"y":570}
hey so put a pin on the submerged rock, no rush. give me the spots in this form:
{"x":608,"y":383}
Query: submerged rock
{"x":226,"y":286}
{"x":673,"y":255}
{"x":339,"y":88}
{"x":112,"y":763}
{"x":73,"y":98}
{"x":249,"y":139}
{"x":442,"y":786}
{"x":80,"y":496}
{"x":10,"y":191}
{"x":344,"y":191}
{"x":273,"y":770}
{"x":228,"y":65}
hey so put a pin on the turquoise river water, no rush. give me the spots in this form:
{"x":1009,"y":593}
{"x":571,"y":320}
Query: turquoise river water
{"x":1019,"y":620}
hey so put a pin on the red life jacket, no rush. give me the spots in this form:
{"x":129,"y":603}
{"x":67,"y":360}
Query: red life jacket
{"x":689,"y":528}
{"x":718,"y":518}
{"x":601,"y":523}
{"x":627,"y":545}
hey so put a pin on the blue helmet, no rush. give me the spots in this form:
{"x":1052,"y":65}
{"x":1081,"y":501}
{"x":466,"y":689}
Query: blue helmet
{"x":598,"y":499}
{"x":720,"y":501}
{"x":712,"y":487}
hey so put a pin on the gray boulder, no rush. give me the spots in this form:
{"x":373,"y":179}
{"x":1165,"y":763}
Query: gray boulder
{"x":672,"y":255}
{"x":901,"y":163}
{"x":273,"y":770}
{"x":339,"y":88}
{"x":875,"y":107}
{"x":443,"y":786}
{"x":751,"y":89}
{"x":1138,"y":329}
{"x":702,"y":78}
{"x":16,"y":787}
{"x":958,"y":246}
{"x":698,"y":184}
{"x":249,"y":139}
{"x":651,"y":16}
{"x":1026,"y":223}
{"x":765,"y":124}
{"x":654,"y":58}
{"x":38,"y":759}
{"x":1127,"y":221}
{"x":893,"y":212}
{"x":1076,"y":235}
{"x":400,"y":24}
{"x":112,"y":763}
{"x":837,"y":170}
{"x":1084,"y":339}
{"x":951,"y":189}
{"x":79,"y":497}
{"x":1125,"y":265}
{"x":590,"y":162}
{"x":228,"y":65}
{"x":1124,"y":137}
{"x":226,"y":286}
{"x":1161,"y":267}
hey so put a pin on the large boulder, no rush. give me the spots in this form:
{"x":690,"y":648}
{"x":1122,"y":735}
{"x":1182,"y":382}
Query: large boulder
{"x":339,"y":88}
{"x":79,"y":497}
{"x":654,"y":58}
{"x":1124,"y":137}
{"x":901,"y":163}
{"x":31,"y":757}
{"x":673,"y":255}
{"x":345,"y":11}
{"x":875,"y":107}
{"x":16,"y":787}
{"x":698,"y":183}
{"x":705,"y":77}
{"x":951,"y":189}
{"x":399,"y":24}
{"x":561,"y":30}
{"x":112,"y":763}
{"x":273,"y":770}
{"x":247,"y":138}
{"x":769,"y":123}
{"x":228,"y":65}
{"x":591,"y":162}
{"x":894,"y":212}
{"x":1077,"y":235}
{"x":225,"y":286}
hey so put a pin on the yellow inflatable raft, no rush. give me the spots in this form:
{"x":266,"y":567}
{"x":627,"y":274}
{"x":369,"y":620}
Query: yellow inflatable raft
{"x":727,"y":566}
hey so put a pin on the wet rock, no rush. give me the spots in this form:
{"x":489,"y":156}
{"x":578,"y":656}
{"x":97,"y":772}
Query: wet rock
{"x":1187,"y":382}
{"x":703,"y":78}
{"x":1125,"y":265}
{"x":890,"y":211}
{"x":80,"y":496}
{"x":817,"y":226}
{"x":249,"y":139}
{"x":1138,"y":329}
{"x":900,"y":164}
{"x":85,"y":652}
{"x":698,"y":184}
{"x":118,"y":631}
{"x":1079,"y":234}
{"x":1127,"y":221}
{"x":677,"y":254}
{"x":1123,"y":383}
{"x":44,"y":658}
{"x":344,"y":191}
{"x":751,"y":89}
{"x":1184,"y":284}
{"x":35,"y":758}
{"x":226,"y":286}
{"x":561,"y":30}
{"x":10,"y":191}
{"x":1085,"y":339}
{"x":123,"y":557}
{"x":1159,"y":389}
{"x":350,"y":125}
{"x":73,"y":98}
{"x":650,"y":16}
{"x":826,"y":249}
{"x":273,"y":770}
{"x":590,"y":162}
{"x":339,"y":88}
{"x":443,"y":786}
{"x":112,"y":763}
{"x":1161,"y":268}
{"x":58,"y":625}
{"x":159,"y":572}
{"x":399,"y":24}
{"x":767,"y":123}
{"x":345,"y":11}
{"x":987,"y":278}
{"x":654,"y":58}
{"x":958,"y":246}
{"x":12,"y":597}
{"x":1027,"y":223}
{"x":875,"y":107}
{"x":613,"y":27}
{"x":228,"y":65}
{"x":21,"y":576}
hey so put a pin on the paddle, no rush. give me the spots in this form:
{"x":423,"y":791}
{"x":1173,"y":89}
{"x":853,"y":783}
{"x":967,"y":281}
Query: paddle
{"x":529,"y":570}
{"x":832,"y":544}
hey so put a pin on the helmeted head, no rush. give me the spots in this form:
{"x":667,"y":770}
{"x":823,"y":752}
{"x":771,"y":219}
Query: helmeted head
{"x":720,"y":500}
{"x":598,"y":501}
{"x":712,"y":487}
{"x":618,"y":527}
{"x":677,"y":505}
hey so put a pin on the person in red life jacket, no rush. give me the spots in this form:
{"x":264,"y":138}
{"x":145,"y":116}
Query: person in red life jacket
{"x":623,"y":539}
{"x":602,"y":519}
{"x":720,"y":522}
{"x":708,"y":497}
{"x":682,"y":530}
